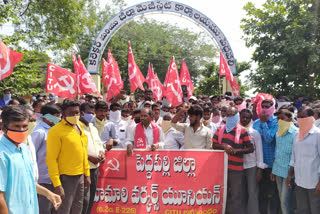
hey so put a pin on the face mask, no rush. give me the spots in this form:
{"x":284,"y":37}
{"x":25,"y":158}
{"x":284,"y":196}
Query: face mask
{"x":284,"y":126}
{"x":146,"y":123}
{"x":243,"y":105}
{"x":269,"y":111}
{"x":17,"y":136}
{"x":206,"y":122}
{"x":88,"y":117}
{"x":7,"y":97}
{"x":216,"y":119}
{"x":115,"y":115}
{"x":231,"y":122}
{"x":166,"y":125}
{"x":31,"y":126}
{"x":73,"y":119}
{"x":305,"y":124}
{"x":137,"y":120}
{"x":52,"y":118}
{"x":125,"y":118}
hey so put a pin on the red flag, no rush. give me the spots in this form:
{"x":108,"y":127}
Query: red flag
{"x":61,"y":82}
{"x":111,"y":76}
{"x":86,"y":84}
{"x":76,"y":71}
{"x":150,"y":75}
{"x":224,"y":70}
{"x":8,"y":59}
{"x":172,"y":86}
{"x":185,"y":78}
{"x":135,"y":76}
{"x":155,"y":85}
{"x":259,"y":98}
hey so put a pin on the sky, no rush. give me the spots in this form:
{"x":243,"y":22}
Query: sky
{"x":227,"y":15}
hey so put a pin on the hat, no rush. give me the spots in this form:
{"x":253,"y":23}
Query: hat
{"x":147,"y":102}
{"x":193,"y":98}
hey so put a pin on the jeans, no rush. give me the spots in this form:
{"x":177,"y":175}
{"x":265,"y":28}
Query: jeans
{"x":285,"y":195}
{"x":252,"y":190}
{"x":90,"y":192}
{"x":235,"y":202}
{"x":45,"y":206}
{"x":307,"y":201}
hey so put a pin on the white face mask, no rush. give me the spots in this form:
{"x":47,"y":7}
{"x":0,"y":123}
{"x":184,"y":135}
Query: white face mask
{"x":115,"y":116}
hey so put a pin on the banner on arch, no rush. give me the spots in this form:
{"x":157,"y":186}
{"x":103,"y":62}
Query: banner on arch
{"x":162,"y":182}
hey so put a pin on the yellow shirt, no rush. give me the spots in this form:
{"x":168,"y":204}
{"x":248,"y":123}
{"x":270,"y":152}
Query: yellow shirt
{"x":66,"y":152}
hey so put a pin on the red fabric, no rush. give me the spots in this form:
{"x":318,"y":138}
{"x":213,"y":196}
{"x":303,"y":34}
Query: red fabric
{"x":111,"y":76}
{"x":185,"y":78}
{"x":172,"y":86}
{"x":87,"y":85}
{"x":236,"y":138}
{"x":140,"y":137}
{"x":154,"y":83}
{"x":224,"y":70}
{"x":259,"y":98}
{"x":8,"y":59}
{"x":61,"y":82}
{"x":135,"y":76}
{"x":150,"y":75}
{"x":77,"y":72}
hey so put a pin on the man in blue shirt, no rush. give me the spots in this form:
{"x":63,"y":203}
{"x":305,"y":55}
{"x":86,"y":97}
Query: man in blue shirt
{"x":17,"y":186}
{"x":267,"y":126}
{"x":6,"y":98}
{"x":280,"y":169}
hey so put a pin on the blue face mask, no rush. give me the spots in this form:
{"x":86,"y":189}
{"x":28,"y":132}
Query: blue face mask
{"x":162,"y":113}
{"x":231,"y":122}
{"x":88,"y":117}
{"x":52,"y":118}
{"x":7,"y":97}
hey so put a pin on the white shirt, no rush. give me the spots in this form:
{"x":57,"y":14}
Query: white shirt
{"x":108,"y":131}
{"x":317,"y":123}
{"x":256,"y":157}
{"x":173,"y":140}
{"x":149,"y":136}
{"x":159,"y":121}
{"x":121,"y":128}
{"x":213,"y":127}
{"x":33,"y":155}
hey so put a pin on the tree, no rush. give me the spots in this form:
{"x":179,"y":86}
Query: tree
{"x":285,"y":35}
{"x":209,"y":79}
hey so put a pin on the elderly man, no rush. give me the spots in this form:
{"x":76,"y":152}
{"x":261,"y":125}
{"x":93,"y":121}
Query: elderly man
{"x":173,"y":138}
{"x":146,"y":134}
{"x":196,"y":135}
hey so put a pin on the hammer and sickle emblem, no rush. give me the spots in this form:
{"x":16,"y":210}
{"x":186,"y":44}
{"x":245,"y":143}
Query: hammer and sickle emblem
{"x":89,"y":81}
{"x":6,"y":68}
{"x":114,"y":167}
{"x":69,"y":85}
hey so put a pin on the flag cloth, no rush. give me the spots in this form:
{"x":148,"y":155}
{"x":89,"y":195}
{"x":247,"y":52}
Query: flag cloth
{"x":135,"y":76}
{"x":185,"y":78}
{"x":258,"y":100}
{"x":86,"y":84}
{"x":8,"y":59}
{"x":149,"y":75}
{"x":76,"y":71}
{"x":61,"y":82}
{"x":155,"y":85}
{"x":172,"y":86}
{"x":111,"y":76}
{"x":224,"y":69}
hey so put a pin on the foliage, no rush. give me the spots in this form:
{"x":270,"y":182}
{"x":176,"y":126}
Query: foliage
{"x":285,"y":35}
{"x":209,"y":80}
{"x":28,"y":75}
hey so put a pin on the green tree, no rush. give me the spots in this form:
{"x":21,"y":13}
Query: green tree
{"x":285,"y":35}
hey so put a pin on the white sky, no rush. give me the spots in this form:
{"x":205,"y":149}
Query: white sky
{"x":227,"y":15}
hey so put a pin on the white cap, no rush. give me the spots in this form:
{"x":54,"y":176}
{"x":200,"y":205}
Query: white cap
{"x":193,"y":98}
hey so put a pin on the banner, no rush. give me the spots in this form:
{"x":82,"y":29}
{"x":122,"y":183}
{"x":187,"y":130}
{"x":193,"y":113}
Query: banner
{"x":167,"y":182}
{"x":8,"y":59}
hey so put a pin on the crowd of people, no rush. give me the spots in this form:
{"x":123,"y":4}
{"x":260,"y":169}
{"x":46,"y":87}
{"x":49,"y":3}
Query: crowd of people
{"x":50,"y":150}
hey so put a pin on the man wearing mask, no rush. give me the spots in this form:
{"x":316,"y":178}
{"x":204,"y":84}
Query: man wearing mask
{"x":305,"y":163}
{"x":67,"y":158}
{"x":252,"y":163}
{"x":173,"y":139}
{"x":280,"y":169}
{"x":267,"y":126}
{"x":145,"y":135}
{"x":95,"y":153}
{"x":196,"y":135}
{"x":101,"y":110}
{"x":148,"y":96}
{"x":156,"y":113}
{"x":50,"y":117}
{"x":235,"y":141}
{"x":6,"y":98}
{"x":37,"y":105}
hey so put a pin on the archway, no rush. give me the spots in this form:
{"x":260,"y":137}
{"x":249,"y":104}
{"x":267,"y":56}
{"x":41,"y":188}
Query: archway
{"x":163,"y":6}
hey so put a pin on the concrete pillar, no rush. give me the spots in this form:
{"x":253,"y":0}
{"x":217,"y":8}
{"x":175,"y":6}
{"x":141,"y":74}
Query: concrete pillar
{"x":97,"y":80}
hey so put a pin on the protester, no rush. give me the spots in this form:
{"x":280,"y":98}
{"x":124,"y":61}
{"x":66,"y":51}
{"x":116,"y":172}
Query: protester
{"x":206,"y":120}
{"x":305,"y":162}
{"x":50,"y":116}
{"x":146,"y":134}
{"x":174,"y":139}
{"x":252,"y":163}
{"x":267,"y":126}
{"x":156,"y":114}
{"x":196,"y":135}
{"x":95,"y":153}
{"x":148,"y":96}
{"x":280,"y":169}
{"x":317,"y":117}
{"x":5,"y":98}
{"x":235,"y":141}
{"x":37,"y":105}
{"x":101,"y":110}
{"x":67,"y":158}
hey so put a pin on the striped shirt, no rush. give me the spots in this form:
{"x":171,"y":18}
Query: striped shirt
{"x":235,"y":162}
